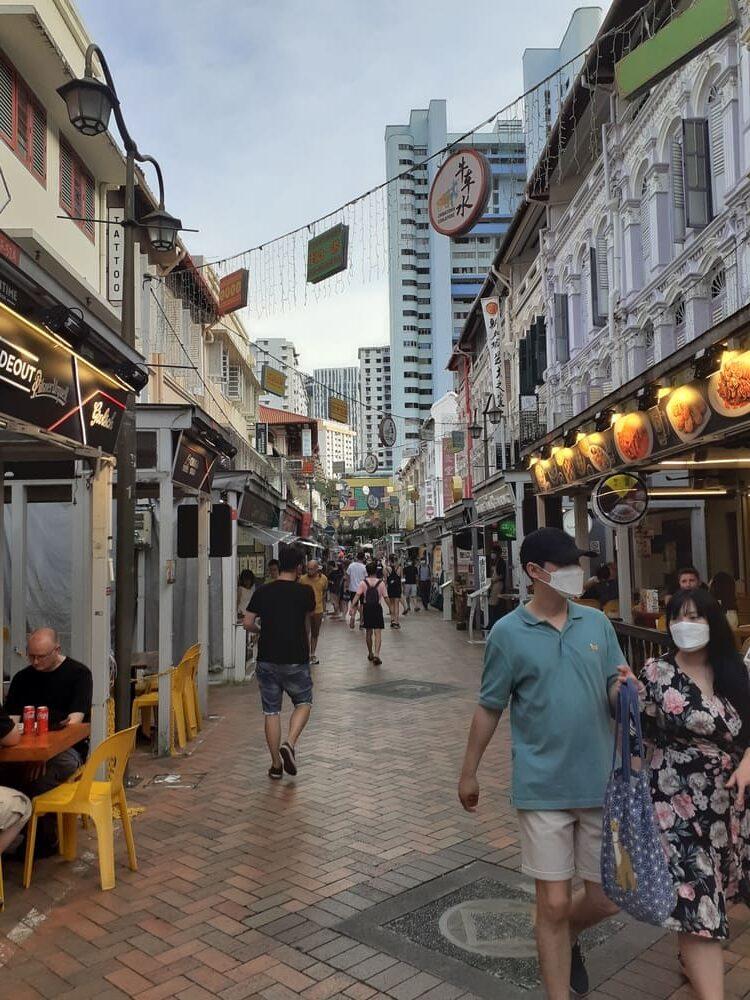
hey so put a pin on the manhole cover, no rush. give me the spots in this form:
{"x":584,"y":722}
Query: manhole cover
{"x":406,"y":689}
{"x":498,"y":928}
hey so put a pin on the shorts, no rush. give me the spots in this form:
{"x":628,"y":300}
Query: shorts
{"x":558,"y":844}
{"x":277,"y":679}
{"x":316,"y":620}
{"x":410,"y":590}
{"x":14,"y":808}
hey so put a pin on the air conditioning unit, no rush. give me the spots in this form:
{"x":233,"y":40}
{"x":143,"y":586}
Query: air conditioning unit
{"x":143,"y":525}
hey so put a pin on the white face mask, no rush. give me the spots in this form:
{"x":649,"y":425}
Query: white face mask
{"x":567,"y":581}
{"x":690,"y":636}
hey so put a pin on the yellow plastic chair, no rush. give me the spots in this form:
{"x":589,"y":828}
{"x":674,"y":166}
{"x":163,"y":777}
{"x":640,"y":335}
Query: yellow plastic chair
{"x":147,"y":703}
{"x":188,"y":681}
{"x":194,"y":689}
{"x":586,"y":602}
{"x":88,"y":797}
{"x":612,"y":609}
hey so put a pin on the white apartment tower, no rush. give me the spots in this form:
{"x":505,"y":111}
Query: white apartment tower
{"x":375,"y":393}
{"x":281,"y":354}
{"x":336,"y":442}
{"x":433,"y":280}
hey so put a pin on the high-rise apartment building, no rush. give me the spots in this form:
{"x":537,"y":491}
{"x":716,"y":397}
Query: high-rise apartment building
{"x":548,"y":75}
{"x":343,"y":383}
{"x":281,"y":354}
{"x":375,"y":393}
{"x":433,"y":280}
{"x":336,"y":443}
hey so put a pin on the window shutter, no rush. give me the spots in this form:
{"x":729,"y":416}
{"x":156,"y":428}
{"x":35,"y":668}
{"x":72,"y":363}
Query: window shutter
{"x":562,"y":336}
{"x":696,"y":172}
{"x":23,"y":124}
{"x":598,"y":265}
{"x":678,"y":189}
{"x":7,"y":87}
{"x":39,"y":141}
{"x":716,"y":142}
{"x":66,"y":179}
{"x":89,"y":204}
{"x":539,"y":342}
{"x":525,"y":379}
{"x":584,"y":305}
{"x":718,"y":296}
{"x":645,"y":232}
{"x":234,"y":382}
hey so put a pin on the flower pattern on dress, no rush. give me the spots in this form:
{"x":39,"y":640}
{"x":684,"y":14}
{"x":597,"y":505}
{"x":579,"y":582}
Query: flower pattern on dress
{"x":694,"y":747}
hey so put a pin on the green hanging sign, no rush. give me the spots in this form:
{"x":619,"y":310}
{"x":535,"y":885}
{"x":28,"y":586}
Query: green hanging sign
{"x":328,"y":254}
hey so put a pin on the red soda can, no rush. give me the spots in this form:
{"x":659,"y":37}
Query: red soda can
{"x":42,"y":720}
{"x":29,"y":715}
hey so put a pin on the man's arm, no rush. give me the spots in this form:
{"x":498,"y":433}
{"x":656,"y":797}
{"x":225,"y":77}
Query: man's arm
{"x":9,"y":734}
{"x":483,"y":727}
{"x":250,"y":621}
{"x":81,"y":699}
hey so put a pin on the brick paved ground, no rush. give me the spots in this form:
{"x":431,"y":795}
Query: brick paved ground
{"x":242,"y":882}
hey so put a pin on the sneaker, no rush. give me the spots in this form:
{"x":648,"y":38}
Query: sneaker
{"x":288,"y":758}
{"x":314,"y":661}
{"x":376,"y":661}
{"x":579,"y":978}
{"x":276,"y":773}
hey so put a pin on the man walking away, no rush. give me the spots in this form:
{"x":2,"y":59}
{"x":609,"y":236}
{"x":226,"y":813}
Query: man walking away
{"x":357,"y":573}
{"x":560,"y":666}
{"x":425,"y":582}
{"x":410,"y":586}
{"x":283,"y":657}
{"x":369,"y":594}
{"x":319,"y":583}
{"x":393,"y":584}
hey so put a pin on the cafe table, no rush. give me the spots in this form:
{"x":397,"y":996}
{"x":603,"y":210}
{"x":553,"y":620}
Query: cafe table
{"x":39,"y":749}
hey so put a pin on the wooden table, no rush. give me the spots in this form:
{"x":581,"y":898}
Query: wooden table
{"x":37,"y":749}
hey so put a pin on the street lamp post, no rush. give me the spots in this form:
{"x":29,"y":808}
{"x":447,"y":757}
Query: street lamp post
{"x":494,"y":414}
{"x":90,"y":103}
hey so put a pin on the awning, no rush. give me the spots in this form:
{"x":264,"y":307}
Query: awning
{"x":308,"y":544}
{"x":268,"y":536}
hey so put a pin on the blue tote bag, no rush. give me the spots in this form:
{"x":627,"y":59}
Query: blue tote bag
{"x":635,"y":873}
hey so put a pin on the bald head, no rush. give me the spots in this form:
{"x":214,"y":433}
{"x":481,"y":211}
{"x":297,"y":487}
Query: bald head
{"x":43,"y":649}
{"x":313,"y":567}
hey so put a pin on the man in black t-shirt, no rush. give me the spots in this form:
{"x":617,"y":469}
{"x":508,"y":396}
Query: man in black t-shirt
{"x":15,"y":807}
{"x":283,"y":607}
{"x":65,"y":686}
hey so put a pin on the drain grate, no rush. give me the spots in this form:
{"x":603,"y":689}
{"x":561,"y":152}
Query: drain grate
{"x":406,"y":689}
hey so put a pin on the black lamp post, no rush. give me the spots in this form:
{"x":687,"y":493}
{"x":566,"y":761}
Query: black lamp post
{"x":90,"y":102}
{"x":494,"y":414}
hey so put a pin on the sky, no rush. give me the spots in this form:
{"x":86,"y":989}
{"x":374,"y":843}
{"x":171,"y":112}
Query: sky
{"x":265,"y":114}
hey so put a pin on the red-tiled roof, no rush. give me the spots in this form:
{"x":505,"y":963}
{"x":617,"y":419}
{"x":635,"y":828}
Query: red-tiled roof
{"x":267,"y":415}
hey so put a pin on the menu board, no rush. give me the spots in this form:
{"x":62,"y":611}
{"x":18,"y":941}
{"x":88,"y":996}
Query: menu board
{"x":683,"y":415}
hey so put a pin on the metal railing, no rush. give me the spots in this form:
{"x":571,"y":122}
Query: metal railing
{"x":640,"y":644}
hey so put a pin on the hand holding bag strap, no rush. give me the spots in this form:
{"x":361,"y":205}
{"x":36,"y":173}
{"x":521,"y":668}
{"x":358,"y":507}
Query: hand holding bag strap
{"x":628,"y":710}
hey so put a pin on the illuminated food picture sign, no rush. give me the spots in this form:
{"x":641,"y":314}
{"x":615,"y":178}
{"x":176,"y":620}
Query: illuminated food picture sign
{"x":620,"y":500}
{"x":46,"y":384}
{"x":683,"y":415}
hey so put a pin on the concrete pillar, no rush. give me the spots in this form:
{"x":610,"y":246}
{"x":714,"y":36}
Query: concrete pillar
{"x":99,"y":585}
{"x":581,"y":513}
{"x":664,"y":335}
{"x":659,"y":213}
{"x":632,"y":258}
{"x":698,"y":540}
{"x":81,"y":556}
{"x":19,"y":527}
{"x":624,"y":580}
{"x":520,"y":576}
{"x":203,"y":569}
{"x":229,"y":574}
{"x":697,"y":309}
{"x":541,"y":512}
{"x":166,"y":606}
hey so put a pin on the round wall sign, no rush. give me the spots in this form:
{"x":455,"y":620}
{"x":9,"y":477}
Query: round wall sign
{"x":371,"y":464}
{"x":620,"y":500}
{"x":373,"y":501}
{"x":387,"y":432}
{"x":460,"y":192}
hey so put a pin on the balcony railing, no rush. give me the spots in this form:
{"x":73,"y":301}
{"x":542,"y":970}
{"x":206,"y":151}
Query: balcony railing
{"x":640,"y":644}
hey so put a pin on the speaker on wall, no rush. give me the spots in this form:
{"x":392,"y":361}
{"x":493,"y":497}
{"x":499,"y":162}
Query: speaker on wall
{"x":187,"y":531}
{"x":220,"y":535}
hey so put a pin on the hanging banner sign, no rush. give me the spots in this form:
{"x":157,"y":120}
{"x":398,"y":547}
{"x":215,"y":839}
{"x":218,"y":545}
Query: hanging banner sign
{"x":193,"y":464}
{"x":338,"y":410}
{"x":460,"y":192}
{"x":45,"y":384}
{"x":306,"y":435}
{"x":328,"y":254}
{"x":491,"y":313}
{"x":233,"y":291}
{"x":620,"y":500}
{"x":273,"y":381}
{"x":387,"y":432}
{"x":449,"y":470}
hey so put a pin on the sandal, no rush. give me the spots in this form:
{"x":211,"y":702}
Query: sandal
{"x":376,"y":661}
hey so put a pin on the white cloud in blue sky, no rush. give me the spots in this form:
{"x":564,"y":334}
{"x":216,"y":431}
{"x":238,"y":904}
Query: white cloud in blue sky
{"x":267,"y":113}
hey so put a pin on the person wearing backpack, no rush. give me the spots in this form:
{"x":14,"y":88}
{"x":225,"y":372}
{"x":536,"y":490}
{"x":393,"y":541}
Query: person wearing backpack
{"x":369,"y":594}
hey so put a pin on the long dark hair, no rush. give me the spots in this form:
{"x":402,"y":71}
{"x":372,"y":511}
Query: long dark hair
{"x":723,"y":589}
{"x":730,"y":673}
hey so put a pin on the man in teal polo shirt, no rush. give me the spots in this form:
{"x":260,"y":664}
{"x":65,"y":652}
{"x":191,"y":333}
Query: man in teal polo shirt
{"x":559,"y":665}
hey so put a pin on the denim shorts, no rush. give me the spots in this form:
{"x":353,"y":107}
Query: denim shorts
{"x":274,"y":679}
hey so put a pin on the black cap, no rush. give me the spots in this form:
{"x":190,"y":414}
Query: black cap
{"x":551,"y":545}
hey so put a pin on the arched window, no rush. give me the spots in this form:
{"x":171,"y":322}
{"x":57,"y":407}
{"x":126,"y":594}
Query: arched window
{"x":645,"y":231}
{"x":716,"y":147}
{"x":677,"y":186}
{"x":718,"y":294}
{"x":678,"y":316}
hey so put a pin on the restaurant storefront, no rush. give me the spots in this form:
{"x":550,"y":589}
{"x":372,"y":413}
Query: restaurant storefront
{"x":65,"y":377}
{"x":683,"y":428}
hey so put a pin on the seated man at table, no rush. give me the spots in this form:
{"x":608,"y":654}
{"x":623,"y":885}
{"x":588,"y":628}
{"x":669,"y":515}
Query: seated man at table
{"x":65,"y":686}
{"x":15,"y":808}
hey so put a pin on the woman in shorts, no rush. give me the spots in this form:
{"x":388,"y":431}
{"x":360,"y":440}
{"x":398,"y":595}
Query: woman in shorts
{"x":369,"y":594}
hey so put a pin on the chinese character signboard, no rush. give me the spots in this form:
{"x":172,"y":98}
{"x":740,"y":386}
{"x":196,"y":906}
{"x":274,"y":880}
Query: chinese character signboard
{"x":338,"y":410}
{"x":233,"y":291}
{"x":459,"y":192}
{"x":273,"y":381}
{"x":449,"y":470}
{"x":328,"y":254}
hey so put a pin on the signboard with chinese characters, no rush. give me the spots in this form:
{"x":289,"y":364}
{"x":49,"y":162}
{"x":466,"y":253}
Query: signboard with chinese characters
{"x":328,"y":254}
{"x":45,"y":384}
{"x":459,"y":193}
{"x":449,"y":470}
{"x":273,"y":381}
{"x":233,"y":291}
{"x":338,"y":410}
{"x":193,"y":464}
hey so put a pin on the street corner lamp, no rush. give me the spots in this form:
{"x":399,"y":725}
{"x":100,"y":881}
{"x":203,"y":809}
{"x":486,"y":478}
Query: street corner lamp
{"x":162,"y":229}
{"x":495,"y":414}
{"x":475,"y":430}
{"x":89,"y":103}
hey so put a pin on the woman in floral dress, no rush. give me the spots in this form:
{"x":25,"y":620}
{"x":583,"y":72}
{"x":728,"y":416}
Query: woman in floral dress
{"x":697,"y":728}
